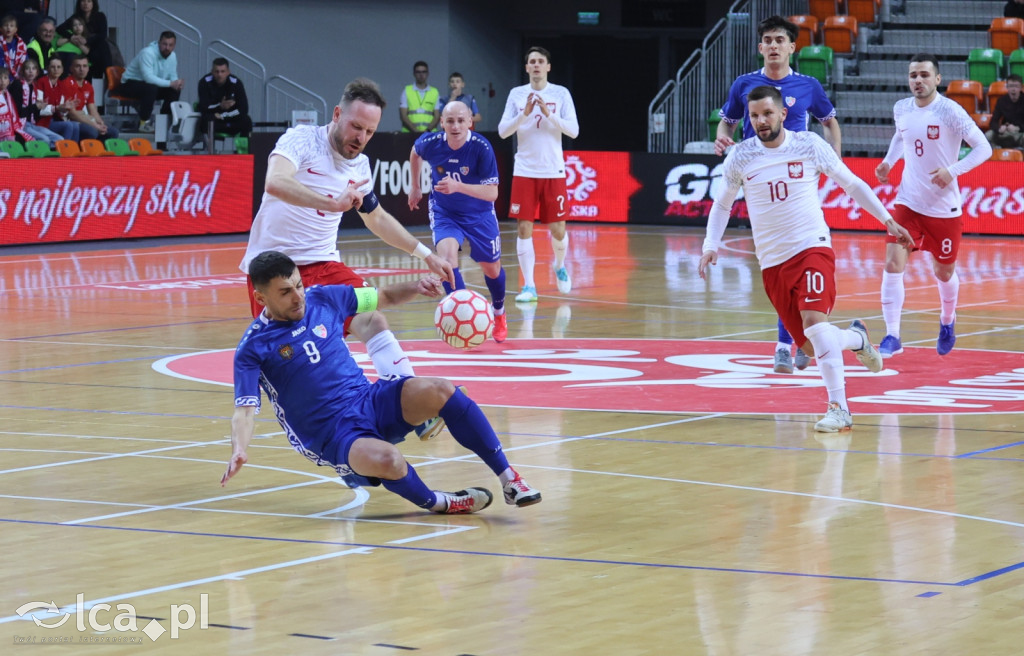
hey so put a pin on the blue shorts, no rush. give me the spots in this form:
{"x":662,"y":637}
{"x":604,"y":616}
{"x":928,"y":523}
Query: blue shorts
{"x":480,"y":229}
{"x":376,"y":414}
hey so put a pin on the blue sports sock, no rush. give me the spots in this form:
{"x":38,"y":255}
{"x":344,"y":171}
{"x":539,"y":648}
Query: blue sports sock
{"x":784,"y":336}
{"x":470,"y":428}
{"x":497,"y":288}
{"x":459,"y":282}
{"x":412,"y":488}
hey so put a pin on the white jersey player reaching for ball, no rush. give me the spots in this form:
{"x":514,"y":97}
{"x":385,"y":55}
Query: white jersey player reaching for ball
{"x":779,"y":171}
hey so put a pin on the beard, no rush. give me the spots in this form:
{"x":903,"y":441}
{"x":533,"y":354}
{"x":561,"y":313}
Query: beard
{"x":773,"y":134}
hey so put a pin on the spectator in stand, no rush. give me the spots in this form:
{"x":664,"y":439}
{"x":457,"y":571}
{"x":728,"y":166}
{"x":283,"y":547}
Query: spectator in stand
{"x":153,"y":75}
{"x":96,"y":31}
{"x":11,"y":125}
{"x":456,"y":83}
{"x":44,"y":44}
{"x":15,"y":50}
{"x":222,"y":100}
{"x":28,"y":13}
{"x":84,"y":112}
{"x":1008,"y":117}
{"x":417,"y":106}
{"x":74,"y":44}
{"x":58,"y":95}
{"x":30,"y":103}
{"x":1014,"y":9}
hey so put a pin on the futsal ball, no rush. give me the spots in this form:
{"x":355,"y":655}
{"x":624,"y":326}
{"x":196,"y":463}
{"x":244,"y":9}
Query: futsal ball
{"x":464,"y":319}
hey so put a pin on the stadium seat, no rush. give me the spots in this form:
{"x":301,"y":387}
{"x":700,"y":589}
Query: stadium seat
{"x":143,"y":147}
{"x":1017,"y":63}
{"x":865,"y":11}
{"x":982,"y":120}
{"x":14,"y":149}
{"x":816,"y":61}
{"x":964,"y":152}
{"x":120,"y":147}
{"x":113,"y":79}
{"x":822,"y":9}
{"x":1006,"y":34}
{"x":40,"y":149}
{"x":808,"y":35}
{"x":242,"y":144}
{"x":1006,"y":155}
{"x":840,"y":33}
{"x":68,"y":148}
{"x":713,"y":120}
{"x":966,"y":93}
{"x":985,"y":65}
{"x":94,"y":148}
{"x":996,"y":90}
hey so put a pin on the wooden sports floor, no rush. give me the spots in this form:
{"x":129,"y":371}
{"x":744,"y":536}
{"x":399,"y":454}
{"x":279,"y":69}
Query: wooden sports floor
{"x":689,"y":507}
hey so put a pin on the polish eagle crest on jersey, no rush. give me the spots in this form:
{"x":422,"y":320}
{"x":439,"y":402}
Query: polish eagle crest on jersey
{"x":933,"y":132}
{"x":796,"y":170}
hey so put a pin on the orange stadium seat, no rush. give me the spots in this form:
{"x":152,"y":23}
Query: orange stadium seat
{"x":143,"y":147}
{"x":982,"y":120}
{"x":840,"y":33}
{"x":94,"y":148}
{"x":822,"y":9}
{"x":113,"y":79}
{"x":966,"y":93}
{"x":1006,"y":34}
{"x":865,"y":11}
{"x":996,"y":90}
{"x":68,"y":148}
{"x":808,"y":35}
{"x":1006,"y":155}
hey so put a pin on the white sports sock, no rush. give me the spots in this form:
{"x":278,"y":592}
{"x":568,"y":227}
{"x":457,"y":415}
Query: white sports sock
{"x":524,"y":249}
{"x":782,"y":346}
{"x":848,"y":340}
{"x":893,"y":295}
{"x":948,"y":293}
{"x":560,"y":248}
{"x":388,"y":357}
{"x":826,"y":341}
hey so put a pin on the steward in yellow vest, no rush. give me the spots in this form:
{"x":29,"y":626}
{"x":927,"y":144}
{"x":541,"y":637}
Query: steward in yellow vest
{"x":418,"y":112}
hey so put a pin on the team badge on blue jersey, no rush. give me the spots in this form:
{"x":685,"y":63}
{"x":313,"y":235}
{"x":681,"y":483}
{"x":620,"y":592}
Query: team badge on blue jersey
{"x":440,"y":170}
{"x":320,"y":331}
{"x":790,"y":101}
{"x":464,"y":170}
{"x":286,"y":351}
{"x":796,"y":170}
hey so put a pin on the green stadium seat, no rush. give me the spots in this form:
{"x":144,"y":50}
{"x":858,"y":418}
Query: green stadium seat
{"x":816,"y":61}
{"x":120,"y":147}
{"x":40,"y":149}
{"x":13,"y":148}
{"x":985,"y":65}
{"x":1017,"y":62}
{"x":713,"y":120}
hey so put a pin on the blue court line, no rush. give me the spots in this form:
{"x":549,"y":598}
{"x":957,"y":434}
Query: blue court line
{"x":970,"y":454}
{"x":989,"y":575}
{"x":555,"y":559}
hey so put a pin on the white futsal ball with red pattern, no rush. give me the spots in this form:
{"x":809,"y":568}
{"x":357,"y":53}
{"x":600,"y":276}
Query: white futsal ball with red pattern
{"x":464,"y":319}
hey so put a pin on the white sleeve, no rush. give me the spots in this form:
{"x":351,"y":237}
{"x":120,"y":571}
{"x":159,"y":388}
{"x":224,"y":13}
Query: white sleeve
{"x":718,"y":217}
{"x":511,"y":119}
{"x":895,"y":153}
{"x":566,"y":120}
{"x":859,"y":191}
{"x":981,"y":150}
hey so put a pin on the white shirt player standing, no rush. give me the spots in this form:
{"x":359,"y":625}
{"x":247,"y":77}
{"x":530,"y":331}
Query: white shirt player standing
{"x":779,"y":172}
{"x":929,"y":130}
{"x":539,"y":113}
{"x":315,"y":175}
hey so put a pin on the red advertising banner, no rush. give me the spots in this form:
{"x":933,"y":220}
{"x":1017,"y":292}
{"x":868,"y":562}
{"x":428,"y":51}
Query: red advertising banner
{"x":599,"y":185}
{"x":57,"y":200}
{"x":992,"y":196}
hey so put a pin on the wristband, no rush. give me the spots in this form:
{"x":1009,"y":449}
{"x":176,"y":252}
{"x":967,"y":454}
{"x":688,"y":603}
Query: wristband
{"x":421,"y":252}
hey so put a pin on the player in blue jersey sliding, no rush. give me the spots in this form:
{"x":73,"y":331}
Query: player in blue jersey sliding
{"x":328,"y":409}
{"x":464,"y":177}
{"x":802,"y":95}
